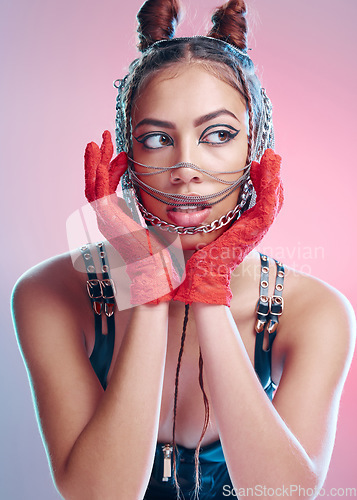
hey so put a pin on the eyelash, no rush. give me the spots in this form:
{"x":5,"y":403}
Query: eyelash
{"x":231,"y":135}
{"x":144,"y":137}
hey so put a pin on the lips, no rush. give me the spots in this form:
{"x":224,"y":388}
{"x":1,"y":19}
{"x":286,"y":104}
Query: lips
{"x":188,"y":215}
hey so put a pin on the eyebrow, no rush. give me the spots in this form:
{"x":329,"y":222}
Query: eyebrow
{"x":199,"y":121}
{"x":156,"y":123}
{"x":214,"y":114}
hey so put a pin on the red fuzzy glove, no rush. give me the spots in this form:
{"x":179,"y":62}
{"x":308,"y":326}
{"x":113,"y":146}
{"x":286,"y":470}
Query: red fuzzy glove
{"x":149,"y":265}
{"x":208,"y":271}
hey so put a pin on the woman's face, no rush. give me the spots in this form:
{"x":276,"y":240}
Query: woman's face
{"x":185,"y":114}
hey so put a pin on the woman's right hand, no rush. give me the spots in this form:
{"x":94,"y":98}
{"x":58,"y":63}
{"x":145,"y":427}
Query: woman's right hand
{"x":209,"y":270}
{"x":148,"y":261}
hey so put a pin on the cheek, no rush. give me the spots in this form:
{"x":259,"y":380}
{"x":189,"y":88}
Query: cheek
{"x":152,"y":205}
{"x":159,"y":181}
{"x":244,"y":150}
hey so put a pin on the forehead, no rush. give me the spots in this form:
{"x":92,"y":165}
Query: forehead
{"x":185,"y":90}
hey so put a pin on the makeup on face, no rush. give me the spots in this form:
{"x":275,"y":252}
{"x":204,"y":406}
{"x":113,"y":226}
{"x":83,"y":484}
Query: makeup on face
{"x":190,"y":145}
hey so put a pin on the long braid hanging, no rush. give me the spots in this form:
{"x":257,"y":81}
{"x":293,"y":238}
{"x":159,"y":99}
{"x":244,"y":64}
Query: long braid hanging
{"x":204,"y":429}
{"x":178,"y":367}
{"x":201,"y":383}
{"x":206,"y":406}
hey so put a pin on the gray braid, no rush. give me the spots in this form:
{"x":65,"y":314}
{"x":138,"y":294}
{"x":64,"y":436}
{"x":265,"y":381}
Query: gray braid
{"x":248,"y":99}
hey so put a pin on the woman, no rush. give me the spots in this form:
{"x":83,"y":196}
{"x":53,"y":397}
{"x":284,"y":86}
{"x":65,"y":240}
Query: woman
{"x":194,"y":129}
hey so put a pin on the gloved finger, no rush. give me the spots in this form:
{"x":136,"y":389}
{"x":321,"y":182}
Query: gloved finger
{"x":116,"y":169}
{"x":266,"y":175}
{"x":262,"y":172}
{"x":91,"y":162}
{"x":102,"y":181}
{"x":106,"y":148}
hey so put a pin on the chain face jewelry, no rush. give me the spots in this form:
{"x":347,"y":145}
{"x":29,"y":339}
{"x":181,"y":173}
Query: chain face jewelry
{"x":213,"y":226}
{"x":264,"y":140}
{"x":177,"y":200}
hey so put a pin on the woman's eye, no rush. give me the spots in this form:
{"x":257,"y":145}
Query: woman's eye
{"x":155,"y":141}
{"x":219,"y":137}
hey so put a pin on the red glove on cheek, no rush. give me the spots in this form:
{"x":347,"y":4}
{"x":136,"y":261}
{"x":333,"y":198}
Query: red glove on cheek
{"x":208,"y":271}
{"x":148,"y":261}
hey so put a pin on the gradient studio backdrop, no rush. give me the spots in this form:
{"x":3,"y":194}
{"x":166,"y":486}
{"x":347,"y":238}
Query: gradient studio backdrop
{"x":58,"y":62}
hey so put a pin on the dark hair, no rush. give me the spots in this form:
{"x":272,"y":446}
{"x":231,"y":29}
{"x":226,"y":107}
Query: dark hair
{"x":227,"y":61}
{"x":157,"y":20}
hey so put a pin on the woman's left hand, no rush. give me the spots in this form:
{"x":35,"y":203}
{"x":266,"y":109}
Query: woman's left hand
{"x":148,"y":260}
{"x":209,"y":270}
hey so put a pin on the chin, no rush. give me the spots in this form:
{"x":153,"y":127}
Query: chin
{"x":192,"y":242}
{"x":197,"y":241}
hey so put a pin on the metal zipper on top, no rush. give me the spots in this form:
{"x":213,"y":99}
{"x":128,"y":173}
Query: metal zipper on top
{"x":167,"y":451}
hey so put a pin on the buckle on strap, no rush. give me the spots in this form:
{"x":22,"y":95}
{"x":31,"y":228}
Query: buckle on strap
{"x":94,"y":289}
{"x":264,"y":305}
{"x":108,"y":289}
{"x":277,"y":305}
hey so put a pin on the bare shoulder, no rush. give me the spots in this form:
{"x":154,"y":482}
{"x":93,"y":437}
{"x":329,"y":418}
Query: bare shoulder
{"x":317,"y":328}
{"x":61,"y":276}
{"x":45,"y":273}
{"x":54,"y":289}
{"x":45,"y":281}
{"x":311,"y":301}
{"x":315,"y":317}
{"x":308,"y":302}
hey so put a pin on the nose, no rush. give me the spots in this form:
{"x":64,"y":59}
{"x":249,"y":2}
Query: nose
{"x":183,"y":173}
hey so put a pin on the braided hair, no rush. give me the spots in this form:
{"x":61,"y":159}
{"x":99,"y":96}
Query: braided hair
{"x":157,"y":22}
{"x":230,"y":25}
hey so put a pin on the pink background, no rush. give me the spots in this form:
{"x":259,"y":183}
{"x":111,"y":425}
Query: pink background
{"x":59,"y":60}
